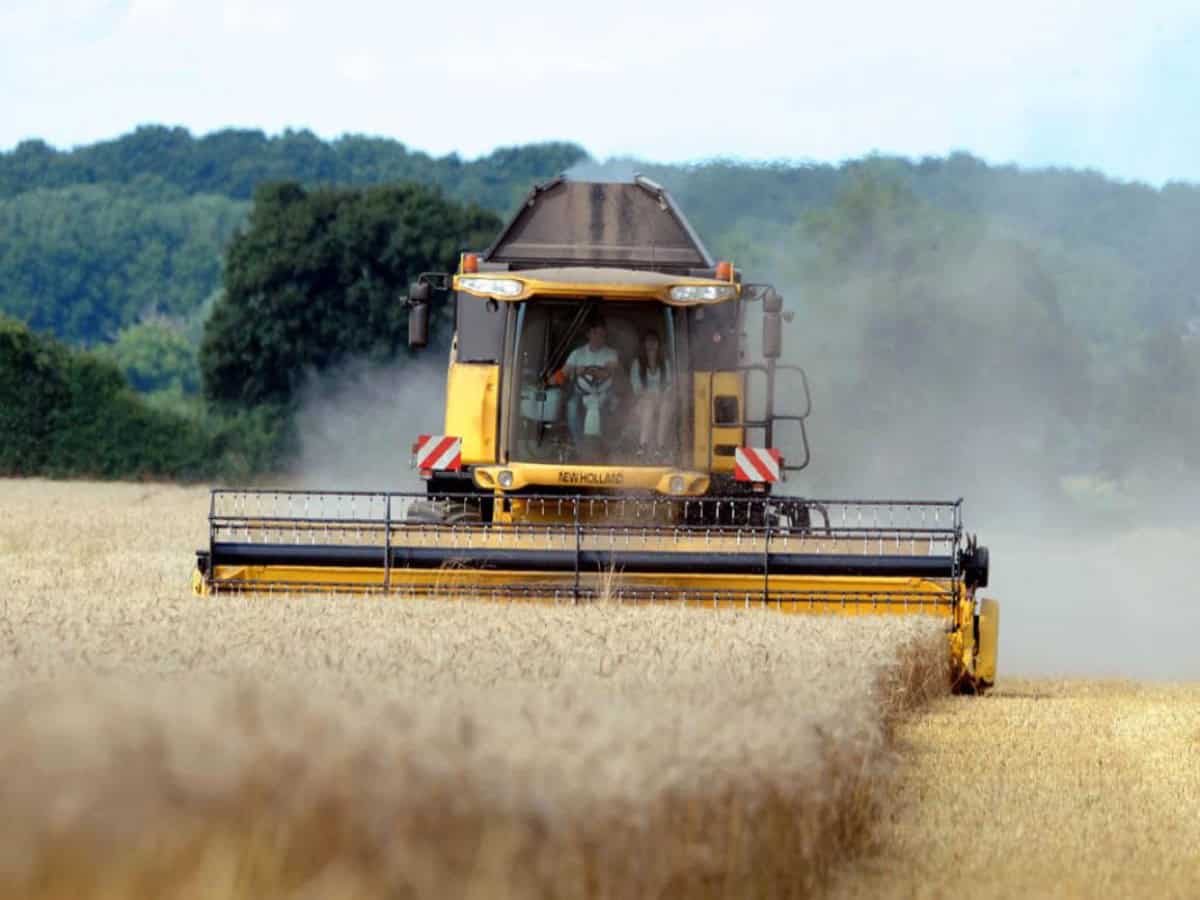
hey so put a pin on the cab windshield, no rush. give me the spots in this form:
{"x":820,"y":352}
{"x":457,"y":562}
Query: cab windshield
{"x":597,"y":383}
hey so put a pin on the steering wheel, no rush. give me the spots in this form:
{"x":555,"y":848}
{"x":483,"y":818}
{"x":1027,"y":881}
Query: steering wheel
{"x":594,"y":377}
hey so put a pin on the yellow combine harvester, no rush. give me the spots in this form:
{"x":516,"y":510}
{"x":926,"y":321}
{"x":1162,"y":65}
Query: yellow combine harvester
{"x":608,"y":435}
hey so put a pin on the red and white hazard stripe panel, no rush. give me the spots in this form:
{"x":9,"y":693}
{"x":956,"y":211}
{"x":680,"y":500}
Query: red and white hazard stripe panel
{"x":439,"y":452}
{"x":756,"y":464}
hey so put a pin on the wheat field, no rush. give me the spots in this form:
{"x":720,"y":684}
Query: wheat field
{"x":1044,"y":788}
{"x":157,"y":744}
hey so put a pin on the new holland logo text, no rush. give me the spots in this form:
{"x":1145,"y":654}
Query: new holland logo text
{"x":591,"y":477}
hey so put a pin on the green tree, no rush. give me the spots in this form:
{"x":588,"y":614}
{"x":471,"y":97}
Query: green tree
{"x":156,"y":355}
{"x":319,"y":276}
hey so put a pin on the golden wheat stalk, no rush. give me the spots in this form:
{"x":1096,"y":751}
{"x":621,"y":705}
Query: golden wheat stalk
{"x":156,"y":744}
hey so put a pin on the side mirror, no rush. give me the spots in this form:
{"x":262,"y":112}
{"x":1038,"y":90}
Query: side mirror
{"x":419,"y":293}
{"x":772,"y":337}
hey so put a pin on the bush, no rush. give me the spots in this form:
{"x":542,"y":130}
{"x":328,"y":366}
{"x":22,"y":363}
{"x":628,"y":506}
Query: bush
{"x":31,"y":388}
{"x":72,"y":413}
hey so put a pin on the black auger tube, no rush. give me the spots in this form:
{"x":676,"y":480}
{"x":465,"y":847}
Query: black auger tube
{"x":639,"y":561}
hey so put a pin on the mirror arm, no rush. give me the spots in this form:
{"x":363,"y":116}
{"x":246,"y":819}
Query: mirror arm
{"x":420,"y":296}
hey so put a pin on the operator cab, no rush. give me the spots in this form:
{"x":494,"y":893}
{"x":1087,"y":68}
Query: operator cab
{"x":598,"y":383}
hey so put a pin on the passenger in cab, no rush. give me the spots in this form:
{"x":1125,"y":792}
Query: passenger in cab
{"x":650,"y":378}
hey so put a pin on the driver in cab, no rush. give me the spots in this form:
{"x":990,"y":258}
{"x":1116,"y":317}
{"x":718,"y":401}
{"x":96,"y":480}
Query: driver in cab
{"x":590,"y":370}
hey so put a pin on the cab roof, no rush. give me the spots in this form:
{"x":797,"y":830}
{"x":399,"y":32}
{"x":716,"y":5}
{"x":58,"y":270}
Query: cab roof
{"x":631,"y":225}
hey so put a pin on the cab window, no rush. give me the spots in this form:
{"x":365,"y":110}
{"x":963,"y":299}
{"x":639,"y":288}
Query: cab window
{"x":581,"y":396}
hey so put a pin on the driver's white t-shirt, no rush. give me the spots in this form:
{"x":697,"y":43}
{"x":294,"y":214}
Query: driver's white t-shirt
{"x":582,"y":357}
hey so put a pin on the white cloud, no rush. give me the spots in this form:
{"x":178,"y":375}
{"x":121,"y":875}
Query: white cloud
{"x":361,"y":68}
{"x":257,"y":17}
{"x":151,"y":11}
{"x":24,"y":25}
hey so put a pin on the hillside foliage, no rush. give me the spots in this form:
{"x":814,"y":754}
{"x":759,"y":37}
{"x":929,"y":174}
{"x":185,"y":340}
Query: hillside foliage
{"x":234,"y":162}
{"x":86,"y":260}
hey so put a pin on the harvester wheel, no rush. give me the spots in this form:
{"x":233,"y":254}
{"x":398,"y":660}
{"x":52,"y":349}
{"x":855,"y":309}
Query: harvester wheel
{"x":795,"y":512}
{"x":470,"y":514}
{"x":446,"y":512}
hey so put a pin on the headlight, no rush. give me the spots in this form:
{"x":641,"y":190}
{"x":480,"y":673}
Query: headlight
{"x":505,"y":479}
{"x":504,"y":287}
{"x":703,"y":292}
{"x":677,"y":484}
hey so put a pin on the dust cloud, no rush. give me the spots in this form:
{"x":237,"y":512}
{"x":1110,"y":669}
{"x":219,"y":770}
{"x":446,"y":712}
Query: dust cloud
{"x":616,"y":169}
{"x":357,"y":423}
{"x":1093,"y":572}
{"x":1119,"y":603}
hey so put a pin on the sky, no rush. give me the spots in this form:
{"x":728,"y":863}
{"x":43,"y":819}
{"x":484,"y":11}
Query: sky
{"x":1099,"y":85}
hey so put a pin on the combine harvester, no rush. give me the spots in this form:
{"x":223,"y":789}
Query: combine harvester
{"x":540,"y":487}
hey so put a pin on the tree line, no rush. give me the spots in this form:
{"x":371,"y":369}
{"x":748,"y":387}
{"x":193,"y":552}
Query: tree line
{"x":234,"y":162}
{"x":101,"y":236}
